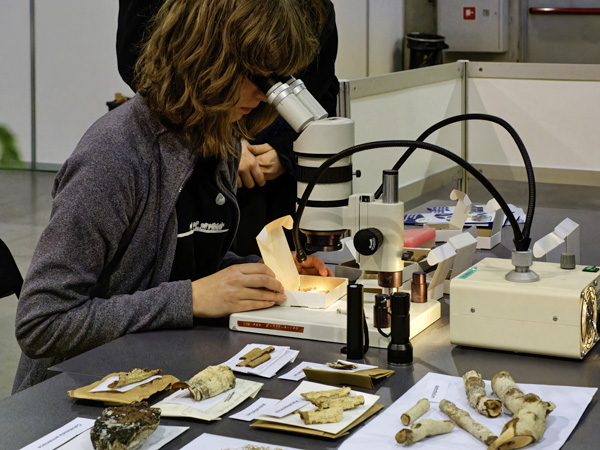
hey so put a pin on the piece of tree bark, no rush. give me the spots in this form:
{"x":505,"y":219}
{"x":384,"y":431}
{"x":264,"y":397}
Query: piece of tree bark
{"x":328,"y":393}
{"x":529,"y":414}
{"x":344,"y":402}
{"x":423,"y":429}
{"x":209,"y":382}
{"x":464,"y":420}
{"x":475,"y":389}
{"x":316,"y":416}
{"x":415,"y":412}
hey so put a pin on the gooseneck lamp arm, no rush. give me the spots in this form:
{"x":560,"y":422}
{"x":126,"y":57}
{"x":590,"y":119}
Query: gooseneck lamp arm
{"x":521,"y":244}
{"x":518,"y":142}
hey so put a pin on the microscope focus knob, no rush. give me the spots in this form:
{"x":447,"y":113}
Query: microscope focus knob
{"x":367,"y":241}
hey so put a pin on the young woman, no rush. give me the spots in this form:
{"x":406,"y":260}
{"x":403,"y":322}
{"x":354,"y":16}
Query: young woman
{"x":144,"y":210}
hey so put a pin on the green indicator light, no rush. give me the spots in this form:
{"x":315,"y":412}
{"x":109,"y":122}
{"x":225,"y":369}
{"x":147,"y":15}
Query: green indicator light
{"x":468,"y":273}
{"x":591,"y":269}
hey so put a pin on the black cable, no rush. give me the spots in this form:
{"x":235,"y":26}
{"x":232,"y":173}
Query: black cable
{"x":513,"y":134}
{"x":521,"y":244}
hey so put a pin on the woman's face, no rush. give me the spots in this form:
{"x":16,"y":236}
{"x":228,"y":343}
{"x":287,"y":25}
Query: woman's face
{"x":250,"y":98}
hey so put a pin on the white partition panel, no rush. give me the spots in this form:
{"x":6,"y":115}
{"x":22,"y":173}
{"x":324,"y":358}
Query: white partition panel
{"x":15,"y":70}
{"x":555,"y":109}
{"x":76,"y":72}
{"x":401,"y":106}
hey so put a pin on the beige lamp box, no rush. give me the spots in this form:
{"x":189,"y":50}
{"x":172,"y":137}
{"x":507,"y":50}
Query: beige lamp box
{"x":310,"y":291}
{"x":555,"y":316}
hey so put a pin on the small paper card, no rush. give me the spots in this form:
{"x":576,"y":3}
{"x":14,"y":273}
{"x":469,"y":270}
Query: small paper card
{"x":286,"y":406}
{"x":255,"y":409}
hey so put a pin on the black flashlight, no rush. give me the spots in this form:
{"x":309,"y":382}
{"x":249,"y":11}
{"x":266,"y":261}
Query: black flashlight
{"x":400,"y":349}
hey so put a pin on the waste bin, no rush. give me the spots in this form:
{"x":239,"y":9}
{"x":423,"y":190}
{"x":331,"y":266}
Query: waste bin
{"x":425,"y":49}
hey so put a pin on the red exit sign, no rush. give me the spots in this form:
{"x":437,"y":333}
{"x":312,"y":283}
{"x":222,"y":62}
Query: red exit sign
{"x":469,"y":13}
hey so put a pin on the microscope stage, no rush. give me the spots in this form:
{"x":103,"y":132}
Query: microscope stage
{"x":328,"y":325}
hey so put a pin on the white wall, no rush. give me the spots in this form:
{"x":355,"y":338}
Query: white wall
{"x":371,"y":37}
{"x":554,"y":109}
{"x":76,"y":71}
{"x":15,"y":86}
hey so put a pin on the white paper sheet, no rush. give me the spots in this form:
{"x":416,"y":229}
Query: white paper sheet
{"x":380,"y":432}
{"x":184,"y":397}
{"x":348,"y":417}
{"x":209,"y":441}
{"x":176,"y":405}
{"x":280,"y":356}
{"x":76,"y":436}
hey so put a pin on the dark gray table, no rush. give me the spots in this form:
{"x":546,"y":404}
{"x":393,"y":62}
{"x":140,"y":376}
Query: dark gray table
{"x":37,"y":411}
{"x":185,"y":352}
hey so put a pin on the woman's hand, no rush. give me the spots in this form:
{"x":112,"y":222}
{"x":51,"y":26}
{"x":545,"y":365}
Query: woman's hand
{"x":250,"y":172}
{"x":258,"y":164}
{"x":241,"y":287}
{"x":313,"y":266}
{"x":268,"y":160}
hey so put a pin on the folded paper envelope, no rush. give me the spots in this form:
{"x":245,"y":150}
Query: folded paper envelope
{"x":301,"y":290}
{"x":137,"y":394}
{"x":360,"y":378}
{"x":293,"y":429}
{"x":294,"y":423}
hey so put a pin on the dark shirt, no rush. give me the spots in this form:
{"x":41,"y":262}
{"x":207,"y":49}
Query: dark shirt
{"x":204,"y":221}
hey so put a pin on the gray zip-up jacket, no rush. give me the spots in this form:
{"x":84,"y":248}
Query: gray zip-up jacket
{"x":101,"y":268}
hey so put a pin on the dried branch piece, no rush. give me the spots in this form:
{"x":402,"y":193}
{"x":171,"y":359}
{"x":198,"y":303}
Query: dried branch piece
{"x":255,"y":357}
{"x":475,"y":388}
{"x":423,"y":429}
{"x":329,"y":415}
{"x":529,"y":414}
{"x":342,"y":365}
{"x":344,"y":402}
{"x":329,"y":393}
{"x":464,"y":420}
{"x":210,"y":382}
{"x":134,"y":376}
{"x":415,"y":412}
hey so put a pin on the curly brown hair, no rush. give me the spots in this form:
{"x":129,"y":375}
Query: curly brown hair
{"x":193,"y":65}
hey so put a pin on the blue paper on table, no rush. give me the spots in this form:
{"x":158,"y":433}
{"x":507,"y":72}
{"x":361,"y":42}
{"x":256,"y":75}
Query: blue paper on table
{"x":477,"y":216}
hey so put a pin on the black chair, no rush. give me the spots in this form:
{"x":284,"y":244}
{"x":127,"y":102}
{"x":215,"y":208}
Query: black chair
{"x":10,"y":276}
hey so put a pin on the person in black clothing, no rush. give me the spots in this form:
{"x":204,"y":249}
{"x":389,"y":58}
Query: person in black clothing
{"x":266,"y":181}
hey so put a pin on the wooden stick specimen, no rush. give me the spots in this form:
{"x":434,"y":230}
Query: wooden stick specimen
{"x":475,"y":388}
{"x":529,"y":414}
{"x":464,"y":420}
{"x":415,"y":412}
{"x":422,"y":429}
